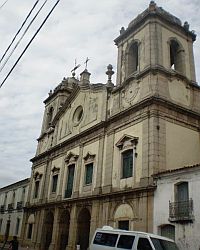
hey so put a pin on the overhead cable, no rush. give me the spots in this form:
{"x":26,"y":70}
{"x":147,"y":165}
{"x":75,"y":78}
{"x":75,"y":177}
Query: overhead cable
{"x":3,"y":4}
{"x":16,"y":45}
{"x":29,"y":42}
{"x":19,"y":30}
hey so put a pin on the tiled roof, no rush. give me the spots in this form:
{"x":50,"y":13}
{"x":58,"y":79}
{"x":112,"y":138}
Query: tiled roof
{"x":176,"y":170}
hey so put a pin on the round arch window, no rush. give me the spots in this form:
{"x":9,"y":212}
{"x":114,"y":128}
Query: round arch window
{"x":78,"y":115}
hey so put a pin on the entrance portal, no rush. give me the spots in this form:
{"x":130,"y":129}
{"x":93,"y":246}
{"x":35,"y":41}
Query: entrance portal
{"x":84,"y":229}
{"x":48,"y":226}
{"x":64,"y":230}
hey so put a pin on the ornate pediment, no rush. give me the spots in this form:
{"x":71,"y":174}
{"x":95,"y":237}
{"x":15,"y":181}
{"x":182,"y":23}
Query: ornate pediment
{"x":127,"y":141}
{"x":71,"y":157}
{"x":55,"y":170}
{"x":89,"y":157}
{"x":37,"y":176}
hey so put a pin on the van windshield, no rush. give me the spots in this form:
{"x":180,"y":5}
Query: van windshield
{"x":160,"y":244}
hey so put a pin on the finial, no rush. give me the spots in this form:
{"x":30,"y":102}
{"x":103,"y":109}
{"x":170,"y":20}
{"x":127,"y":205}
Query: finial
{"x":109,"y":72}
{"x":186,"y":25}
{"x":122,"y":30}
{"x":152,"y":6}
{"x":86,"y":62}
{"x":74,"y":69}
{"x":50,"y":92}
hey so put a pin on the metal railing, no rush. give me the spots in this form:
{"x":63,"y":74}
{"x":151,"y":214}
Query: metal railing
{"x":181,"y":210}
{"x":19,"y":205}
{"x":10,"y":207}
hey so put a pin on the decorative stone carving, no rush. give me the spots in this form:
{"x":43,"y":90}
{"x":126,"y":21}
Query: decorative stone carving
{"x":37,"y":176}
{"x":71,"y":157}
{"x":55,"y":170}
{"x":89,"y":157}
{"x":127,"y":141}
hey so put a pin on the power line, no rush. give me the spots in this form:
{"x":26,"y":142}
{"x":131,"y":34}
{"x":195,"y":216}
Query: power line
{"x":16,"y":45}
{"x":30,"y":42}
{"x":19,"y":30}
{"x":3,"y":4}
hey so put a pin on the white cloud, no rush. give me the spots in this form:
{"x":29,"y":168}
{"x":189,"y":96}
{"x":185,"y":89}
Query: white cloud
{"x":76,"y":29}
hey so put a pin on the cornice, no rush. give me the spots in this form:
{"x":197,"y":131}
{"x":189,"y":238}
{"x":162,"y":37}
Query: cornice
{"x":96,"y":130}
{"x":109,"y":196}
{"x":156,"y":69}
{"x":144,"y":16}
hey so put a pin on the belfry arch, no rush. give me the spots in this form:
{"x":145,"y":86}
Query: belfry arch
{"x":177,"y":55}
{"x":132,"y":58}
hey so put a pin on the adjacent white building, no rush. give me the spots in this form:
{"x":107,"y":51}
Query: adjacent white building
{"x":177,"y":206}
{"x":12,"y":202}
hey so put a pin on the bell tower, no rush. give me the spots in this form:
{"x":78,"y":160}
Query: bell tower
{"x":155,"y":40}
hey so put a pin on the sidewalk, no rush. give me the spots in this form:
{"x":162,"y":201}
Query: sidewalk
{"x":20,"y":248}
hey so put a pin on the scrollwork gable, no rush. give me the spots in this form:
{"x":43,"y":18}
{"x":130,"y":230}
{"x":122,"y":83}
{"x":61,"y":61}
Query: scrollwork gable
{"x":71,"y":157}
{"x":127,"y":141}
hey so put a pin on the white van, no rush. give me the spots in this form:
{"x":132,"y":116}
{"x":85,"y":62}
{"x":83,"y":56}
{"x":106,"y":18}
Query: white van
{"x":116,"y":239}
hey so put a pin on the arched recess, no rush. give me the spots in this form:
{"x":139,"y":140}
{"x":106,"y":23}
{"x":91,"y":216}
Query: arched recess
{"x":177,"y":55}
{"x":84,"y":218}
{"x":123,"y":216}
{"x":48,"y":229}
{"x":64,"y":222}
{"x":49,"y":117}
{"x":30,"y":225}
{"x":132,"y":58}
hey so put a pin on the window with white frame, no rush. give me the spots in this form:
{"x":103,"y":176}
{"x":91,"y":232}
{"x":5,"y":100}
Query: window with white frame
{"x":127,"y":164}
{"x":89,"y":160}
{"x":88,"y":173}
{"x":17,"y":226}
{"x":55,"y":174}
{"x":54,"y":183}
{"x":127,"y":149}
{"x":37,"y":177}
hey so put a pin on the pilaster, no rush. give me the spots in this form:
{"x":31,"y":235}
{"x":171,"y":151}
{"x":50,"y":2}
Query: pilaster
{"x":98,"y":185}
{"x":54,"y":238}
{"x":72,"y":229}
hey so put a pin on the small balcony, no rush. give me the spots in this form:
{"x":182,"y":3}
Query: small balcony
{"x":10,"y":207}
{"x":19,"y":206}
{"x":2,"y":209}
{"x":181,"y":211}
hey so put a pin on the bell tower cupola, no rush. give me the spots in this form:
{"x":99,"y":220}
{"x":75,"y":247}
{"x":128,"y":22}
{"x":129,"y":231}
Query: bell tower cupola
{"x":155,"y":40}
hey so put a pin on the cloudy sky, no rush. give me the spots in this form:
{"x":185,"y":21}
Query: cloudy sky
{"x":76,"y":29}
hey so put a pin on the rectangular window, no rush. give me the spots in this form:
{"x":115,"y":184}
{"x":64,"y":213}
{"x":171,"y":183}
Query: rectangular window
{"x":88,"y":173}
{"x":70,"y":181}
{"x":37,"y":184}
{"x":30,"y":229}
{"x":54,"y":183}
{"x":127,"y":164}
{"x":17,"y":226}
{"x":1,"y":222}
{"x":123,"y":224}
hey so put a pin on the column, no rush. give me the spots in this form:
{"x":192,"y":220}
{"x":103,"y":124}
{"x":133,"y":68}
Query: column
{"x":54,"y":238}
{"x":72,"y":229}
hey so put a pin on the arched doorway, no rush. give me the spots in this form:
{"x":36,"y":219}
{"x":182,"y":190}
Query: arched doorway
{"x":123,"y":216}
{"x":83,"y":229}
{"x":48,"y":229}
{"x":64,"y":229}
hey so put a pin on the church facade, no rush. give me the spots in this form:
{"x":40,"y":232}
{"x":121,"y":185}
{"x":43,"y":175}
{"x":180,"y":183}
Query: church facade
{"x":100,"y":144}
